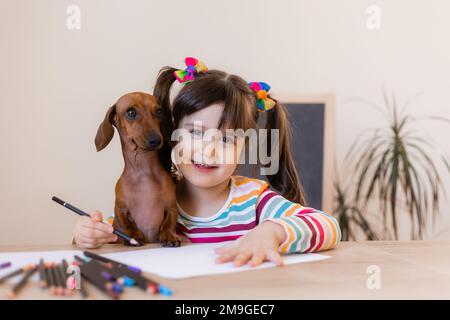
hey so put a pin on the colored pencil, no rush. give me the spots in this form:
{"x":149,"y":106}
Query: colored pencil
{"x":107,"y":260}
{"x":53,"y":280}
{"x":120,"y":234}
{"x":119,"y":269}
{"x":47,"y":275}
{"x":42,"y":278}
{"x":126,"y":281}
{"x":100,"y":286}
{"x":103,"y":272}
{"x":19,"y":285}
{"x":5,"y":265}
{"x":60,"y":280}
{"x":90,"y":273}
{"x":95,"y":267}
{"x":16,"y":272}
{"x":84,"y":293}
{"x":64,"y":266}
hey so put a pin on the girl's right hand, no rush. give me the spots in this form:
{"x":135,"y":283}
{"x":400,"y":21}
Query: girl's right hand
{"x":91,"y":232}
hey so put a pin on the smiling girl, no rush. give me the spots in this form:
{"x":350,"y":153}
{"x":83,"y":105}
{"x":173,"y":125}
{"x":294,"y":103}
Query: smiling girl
{"x":258,"y":219}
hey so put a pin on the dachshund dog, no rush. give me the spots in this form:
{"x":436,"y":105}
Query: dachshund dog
{"x":145,"y":206}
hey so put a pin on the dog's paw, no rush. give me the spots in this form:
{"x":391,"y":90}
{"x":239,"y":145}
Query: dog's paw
{"x":169,"y":239}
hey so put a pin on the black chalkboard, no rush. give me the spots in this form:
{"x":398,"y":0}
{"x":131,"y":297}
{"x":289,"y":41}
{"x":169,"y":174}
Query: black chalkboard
{"x":307,"y":121}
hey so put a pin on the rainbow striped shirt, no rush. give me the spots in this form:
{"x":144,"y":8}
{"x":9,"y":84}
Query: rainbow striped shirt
{"x":250,"y":203}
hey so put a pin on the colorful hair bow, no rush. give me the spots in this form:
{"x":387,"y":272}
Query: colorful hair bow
{"x":263,"y":102}
{"x":193,"y":66}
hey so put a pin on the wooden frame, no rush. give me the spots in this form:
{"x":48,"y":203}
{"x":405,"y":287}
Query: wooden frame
{"x":329,"y":143}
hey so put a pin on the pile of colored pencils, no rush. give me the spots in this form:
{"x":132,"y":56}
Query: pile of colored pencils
{"x":109,"y":276}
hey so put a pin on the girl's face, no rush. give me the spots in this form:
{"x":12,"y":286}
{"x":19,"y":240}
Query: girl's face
{"x":210,"y":156}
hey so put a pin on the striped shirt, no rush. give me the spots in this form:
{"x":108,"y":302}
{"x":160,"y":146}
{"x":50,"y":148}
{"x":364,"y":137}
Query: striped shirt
{"x":249,"y":204}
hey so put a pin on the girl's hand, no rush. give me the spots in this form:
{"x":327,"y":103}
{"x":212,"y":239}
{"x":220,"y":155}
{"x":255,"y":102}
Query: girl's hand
{"x":91,"y":232}
{"x":258,"y":245}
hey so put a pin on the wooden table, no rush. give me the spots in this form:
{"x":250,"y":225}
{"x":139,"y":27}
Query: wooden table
{"x":408,"y":270}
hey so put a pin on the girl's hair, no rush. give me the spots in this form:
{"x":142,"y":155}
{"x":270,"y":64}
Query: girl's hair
{"x":240,"y":111}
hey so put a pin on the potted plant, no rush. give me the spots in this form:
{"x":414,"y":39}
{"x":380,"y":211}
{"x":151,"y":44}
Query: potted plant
{"x":396,"y":170}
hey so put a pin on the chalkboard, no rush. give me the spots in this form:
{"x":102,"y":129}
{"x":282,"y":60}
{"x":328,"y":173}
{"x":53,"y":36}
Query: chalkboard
{"x":312,"y":126}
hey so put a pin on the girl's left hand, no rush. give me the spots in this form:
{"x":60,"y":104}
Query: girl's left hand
{"x":258,"y":245}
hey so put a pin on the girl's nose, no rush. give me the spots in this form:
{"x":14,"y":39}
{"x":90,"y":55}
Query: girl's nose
{"x":209,"y":151}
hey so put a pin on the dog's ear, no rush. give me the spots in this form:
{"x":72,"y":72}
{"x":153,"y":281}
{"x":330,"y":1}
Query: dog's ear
{"x":105,"y":131}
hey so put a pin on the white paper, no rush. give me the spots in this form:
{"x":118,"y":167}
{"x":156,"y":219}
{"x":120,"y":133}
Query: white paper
{"x":176,"y":263}
{"x":194,"y":260}
{"x":20,"y":259}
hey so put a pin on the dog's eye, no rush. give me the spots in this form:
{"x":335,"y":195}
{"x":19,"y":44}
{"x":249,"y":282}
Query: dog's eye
{"x":159,"y":112}
{"x":131,"y":113}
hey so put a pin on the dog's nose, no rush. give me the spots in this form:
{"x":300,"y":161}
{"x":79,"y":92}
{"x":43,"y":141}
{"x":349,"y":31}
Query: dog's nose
{"x":154,"y":141}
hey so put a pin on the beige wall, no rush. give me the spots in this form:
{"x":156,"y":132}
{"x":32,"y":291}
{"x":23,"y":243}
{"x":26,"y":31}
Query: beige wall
{"x":56,"y":84}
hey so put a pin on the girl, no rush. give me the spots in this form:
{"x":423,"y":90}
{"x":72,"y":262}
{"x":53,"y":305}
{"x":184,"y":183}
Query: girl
{"x":262,"y":218}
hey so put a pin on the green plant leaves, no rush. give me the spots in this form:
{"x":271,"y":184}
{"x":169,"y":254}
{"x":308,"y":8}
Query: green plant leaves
{"x":395,"y":168}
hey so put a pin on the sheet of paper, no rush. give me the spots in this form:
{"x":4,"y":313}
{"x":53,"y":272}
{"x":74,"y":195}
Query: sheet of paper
{"x":193,"y":260}
{"x":176,"y":263}
{"x":20,"y":259}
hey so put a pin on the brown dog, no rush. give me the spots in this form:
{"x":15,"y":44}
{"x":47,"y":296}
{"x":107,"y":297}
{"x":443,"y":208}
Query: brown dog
{"x":145,"y":206}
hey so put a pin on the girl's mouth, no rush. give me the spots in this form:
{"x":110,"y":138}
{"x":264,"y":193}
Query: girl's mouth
{"x":203,"y":167}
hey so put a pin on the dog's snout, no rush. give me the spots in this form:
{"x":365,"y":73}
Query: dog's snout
{"x":154,"y":141}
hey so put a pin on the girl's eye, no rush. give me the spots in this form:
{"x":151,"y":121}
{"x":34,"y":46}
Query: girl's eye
{"x":228,"y":139}
{"x":196,"y":132}
{"x":131,"y":113}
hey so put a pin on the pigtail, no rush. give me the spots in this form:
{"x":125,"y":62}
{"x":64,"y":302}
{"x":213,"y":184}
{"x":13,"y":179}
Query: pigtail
{"x":162,"y":94}
{"x":286,"y":180}
{"x":163,"y":85}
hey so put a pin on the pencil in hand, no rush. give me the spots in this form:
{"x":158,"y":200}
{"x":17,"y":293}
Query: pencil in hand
{"x":120,"y":234}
